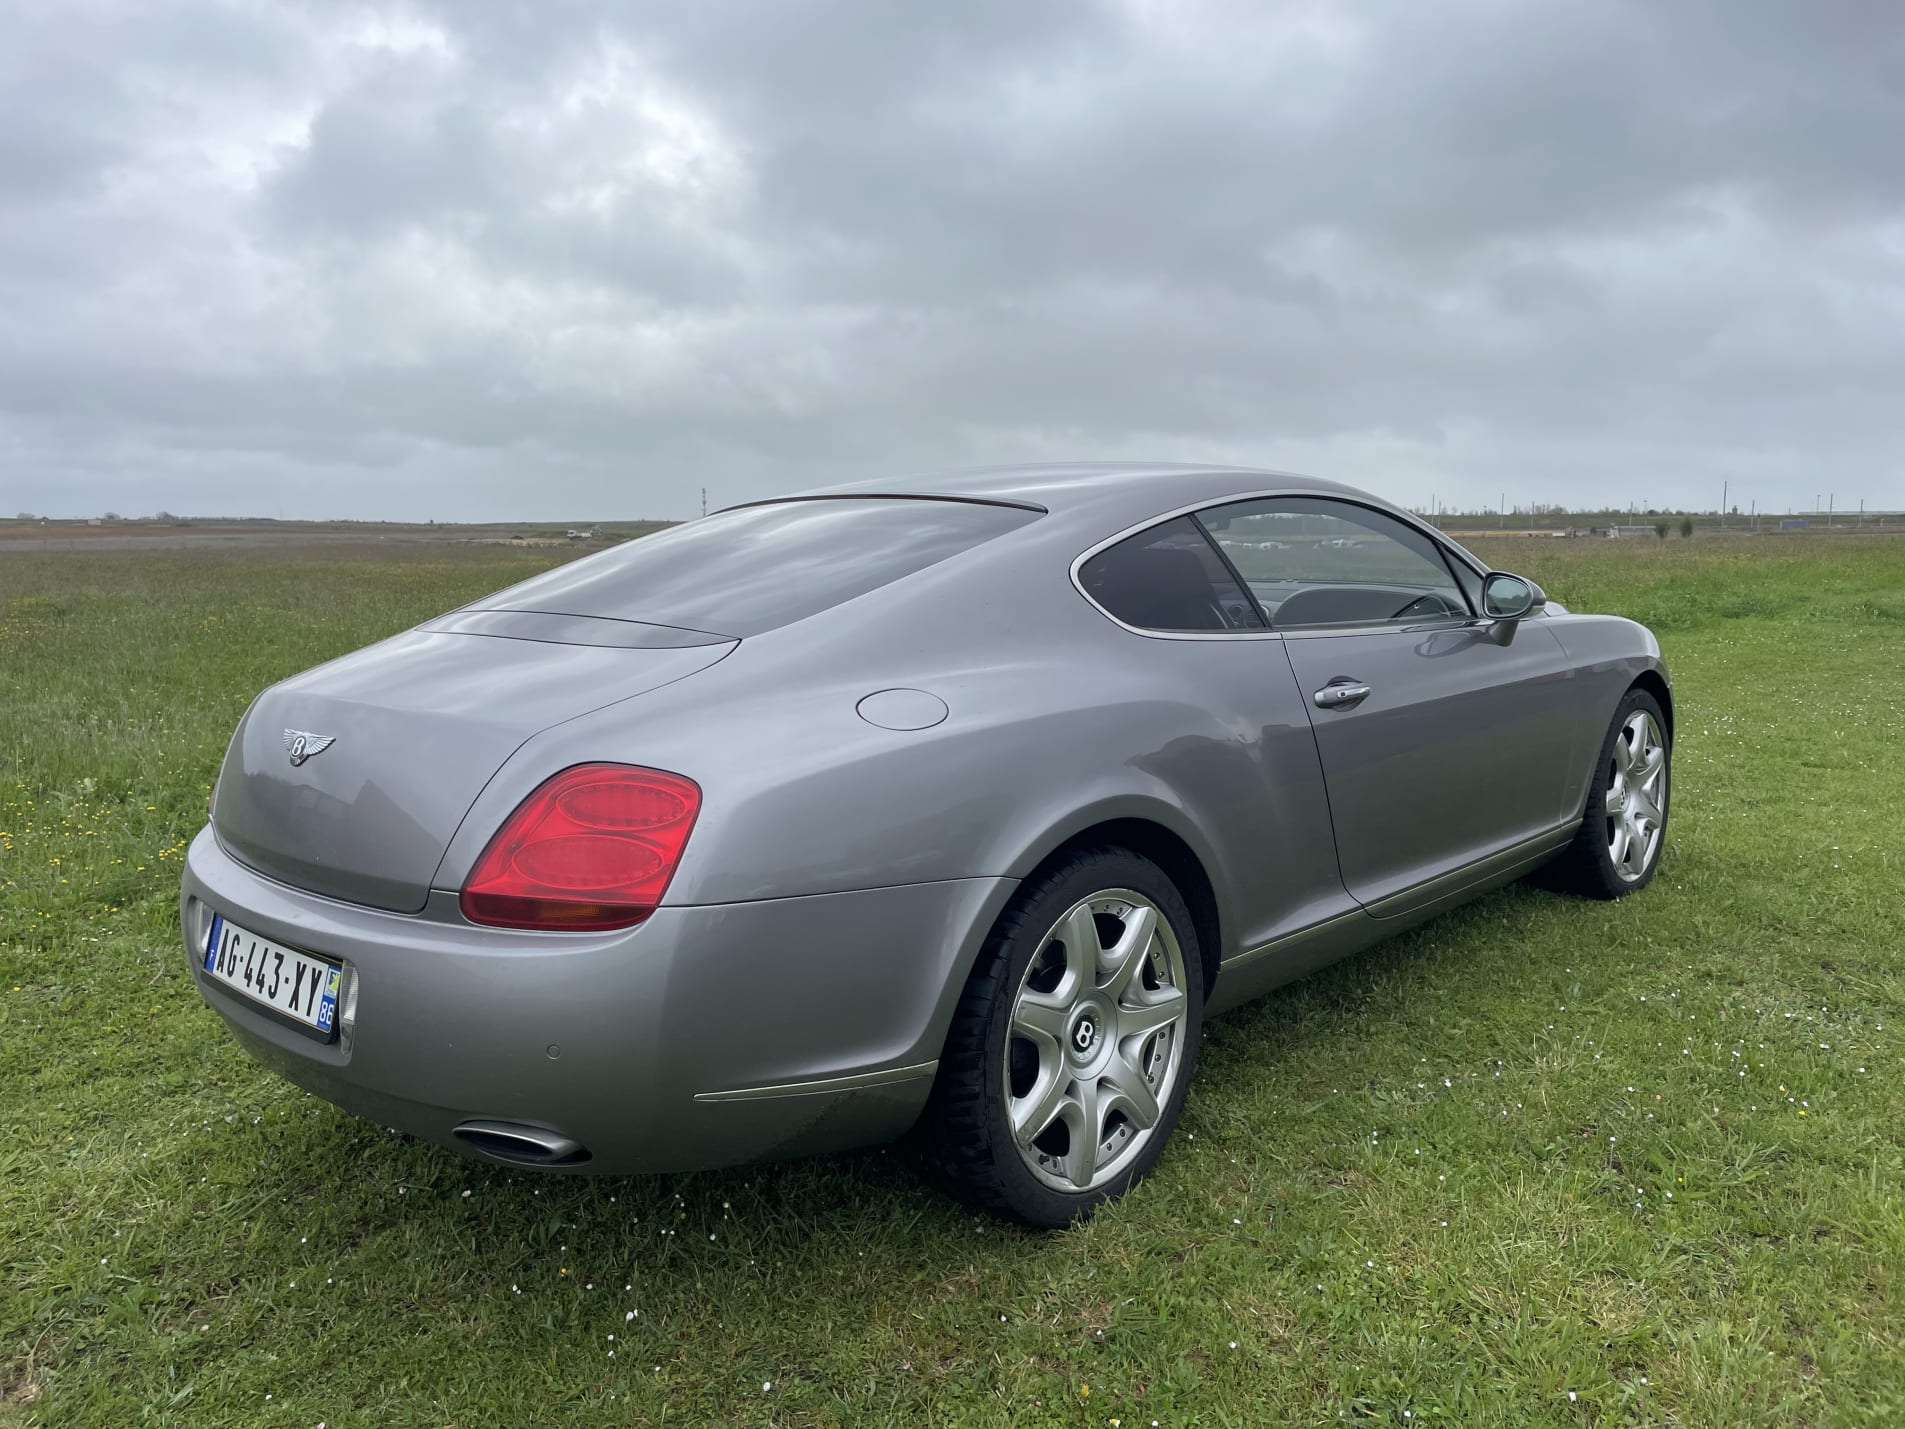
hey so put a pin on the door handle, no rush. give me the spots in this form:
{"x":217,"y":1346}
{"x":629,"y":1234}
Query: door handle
{"x":1340,"y":696}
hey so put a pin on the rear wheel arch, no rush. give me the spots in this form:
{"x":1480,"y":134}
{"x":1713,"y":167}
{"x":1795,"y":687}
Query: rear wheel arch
{"x":1172,"y":854}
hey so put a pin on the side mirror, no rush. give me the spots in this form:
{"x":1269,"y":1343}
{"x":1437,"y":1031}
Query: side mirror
{"x":1505,"y":600}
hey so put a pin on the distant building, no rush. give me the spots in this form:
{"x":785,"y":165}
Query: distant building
{"x":1793,"y":523}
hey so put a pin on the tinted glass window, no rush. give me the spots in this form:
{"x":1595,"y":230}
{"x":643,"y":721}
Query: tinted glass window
{"x":1168,"y":578}
{"x":1312,"y":561}
{"x":741,"y":572}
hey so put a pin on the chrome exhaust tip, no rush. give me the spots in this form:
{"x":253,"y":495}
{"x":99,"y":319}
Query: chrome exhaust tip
{"x":521,"y":1145}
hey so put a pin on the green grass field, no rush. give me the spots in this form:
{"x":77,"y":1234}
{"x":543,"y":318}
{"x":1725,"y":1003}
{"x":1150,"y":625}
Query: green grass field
{"x":1542,"y":1161}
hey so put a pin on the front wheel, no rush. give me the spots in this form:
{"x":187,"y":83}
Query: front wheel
{"x":1074,"y":1041}
{"x":1625,"y":823}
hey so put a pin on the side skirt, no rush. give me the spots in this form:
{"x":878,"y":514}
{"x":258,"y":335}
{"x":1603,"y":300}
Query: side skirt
{"x":1258,"y":970}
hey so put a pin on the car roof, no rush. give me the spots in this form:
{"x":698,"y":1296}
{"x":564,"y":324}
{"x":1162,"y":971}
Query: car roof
{"x":1062,"y":486}
{"x":1105,"y":496}
{"x":1112,"y":495}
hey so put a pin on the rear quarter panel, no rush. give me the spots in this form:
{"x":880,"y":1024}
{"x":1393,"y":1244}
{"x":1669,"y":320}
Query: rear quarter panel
{"x":1057,"y":720}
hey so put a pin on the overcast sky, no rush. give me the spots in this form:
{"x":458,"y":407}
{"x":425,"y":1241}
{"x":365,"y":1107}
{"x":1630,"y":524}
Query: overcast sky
{"x":568,"y":260}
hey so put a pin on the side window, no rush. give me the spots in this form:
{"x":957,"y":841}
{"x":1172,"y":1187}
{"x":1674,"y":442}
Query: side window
{"x":1169,"y":578}
{"x":1313,"y":561}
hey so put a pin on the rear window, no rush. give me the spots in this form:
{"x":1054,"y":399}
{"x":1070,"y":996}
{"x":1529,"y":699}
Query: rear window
{"x":738,"y":573}
{"x":1169,"y":578}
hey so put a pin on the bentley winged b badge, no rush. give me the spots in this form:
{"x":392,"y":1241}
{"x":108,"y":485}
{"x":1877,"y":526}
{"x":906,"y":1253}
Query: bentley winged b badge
{"x":303,"y":744}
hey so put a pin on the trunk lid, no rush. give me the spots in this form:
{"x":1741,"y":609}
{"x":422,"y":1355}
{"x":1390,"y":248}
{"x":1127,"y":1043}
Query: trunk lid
{"x":350,"y":779}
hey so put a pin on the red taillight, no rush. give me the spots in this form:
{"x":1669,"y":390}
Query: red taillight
{"x":593,"y":847}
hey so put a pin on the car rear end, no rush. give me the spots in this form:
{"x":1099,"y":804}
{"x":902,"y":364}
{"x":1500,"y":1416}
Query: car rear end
{"x":544,"y":1002}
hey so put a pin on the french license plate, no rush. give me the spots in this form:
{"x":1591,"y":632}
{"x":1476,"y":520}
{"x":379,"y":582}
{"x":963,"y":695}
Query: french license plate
{"x":302,"y":987}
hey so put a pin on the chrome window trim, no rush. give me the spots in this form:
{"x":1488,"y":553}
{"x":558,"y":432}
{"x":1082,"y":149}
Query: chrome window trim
{"x":1337,"y":632}
{"x":1449,"y":553}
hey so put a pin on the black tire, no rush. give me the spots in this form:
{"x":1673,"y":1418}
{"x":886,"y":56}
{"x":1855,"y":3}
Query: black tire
{"x":1587,"y":866}
{"x":967,"y":1130}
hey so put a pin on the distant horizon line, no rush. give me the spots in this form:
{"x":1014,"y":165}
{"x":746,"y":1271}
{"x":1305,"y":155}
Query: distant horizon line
{"x":1543,"y":514}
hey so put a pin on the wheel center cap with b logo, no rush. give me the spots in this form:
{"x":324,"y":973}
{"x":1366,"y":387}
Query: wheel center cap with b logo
{"x":1084,"y":1034}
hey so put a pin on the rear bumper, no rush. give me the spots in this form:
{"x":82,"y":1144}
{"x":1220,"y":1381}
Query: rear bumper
{"x":707,"y":1036}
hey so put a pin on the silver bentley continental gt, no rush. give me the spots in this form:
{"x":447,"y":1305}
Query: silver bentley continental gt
{"x":959,"y":803}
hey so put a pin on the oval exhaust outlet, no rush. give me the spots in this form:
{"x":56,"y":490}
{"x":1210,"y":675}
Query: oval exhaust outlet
{"x":521,"y":1145}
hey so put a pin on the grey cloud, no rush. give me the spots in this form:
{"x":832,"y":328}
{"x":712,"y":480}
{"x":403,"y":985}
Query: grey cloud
{"x":508,"y":259}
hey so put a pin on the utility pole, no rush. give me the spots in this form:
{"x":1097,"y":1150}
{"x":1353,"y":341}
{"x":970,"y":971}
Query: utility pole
{"x":1504,"y":525}
{"x":1828,"y":510}
{"x":1723,"y":490}
{"x":1754,"y":514}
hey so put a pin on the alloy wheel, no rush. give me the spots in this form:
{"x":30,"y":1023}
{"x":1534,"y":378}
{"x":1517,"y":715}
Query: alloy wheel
{"x":1636,"y":797}
{"x":1096,"y":1040}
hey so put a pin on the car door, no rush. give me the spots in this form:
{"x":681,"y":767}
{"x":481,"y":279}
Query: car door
{"x":1244,"y":766}
{"x":1440,"y":746}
